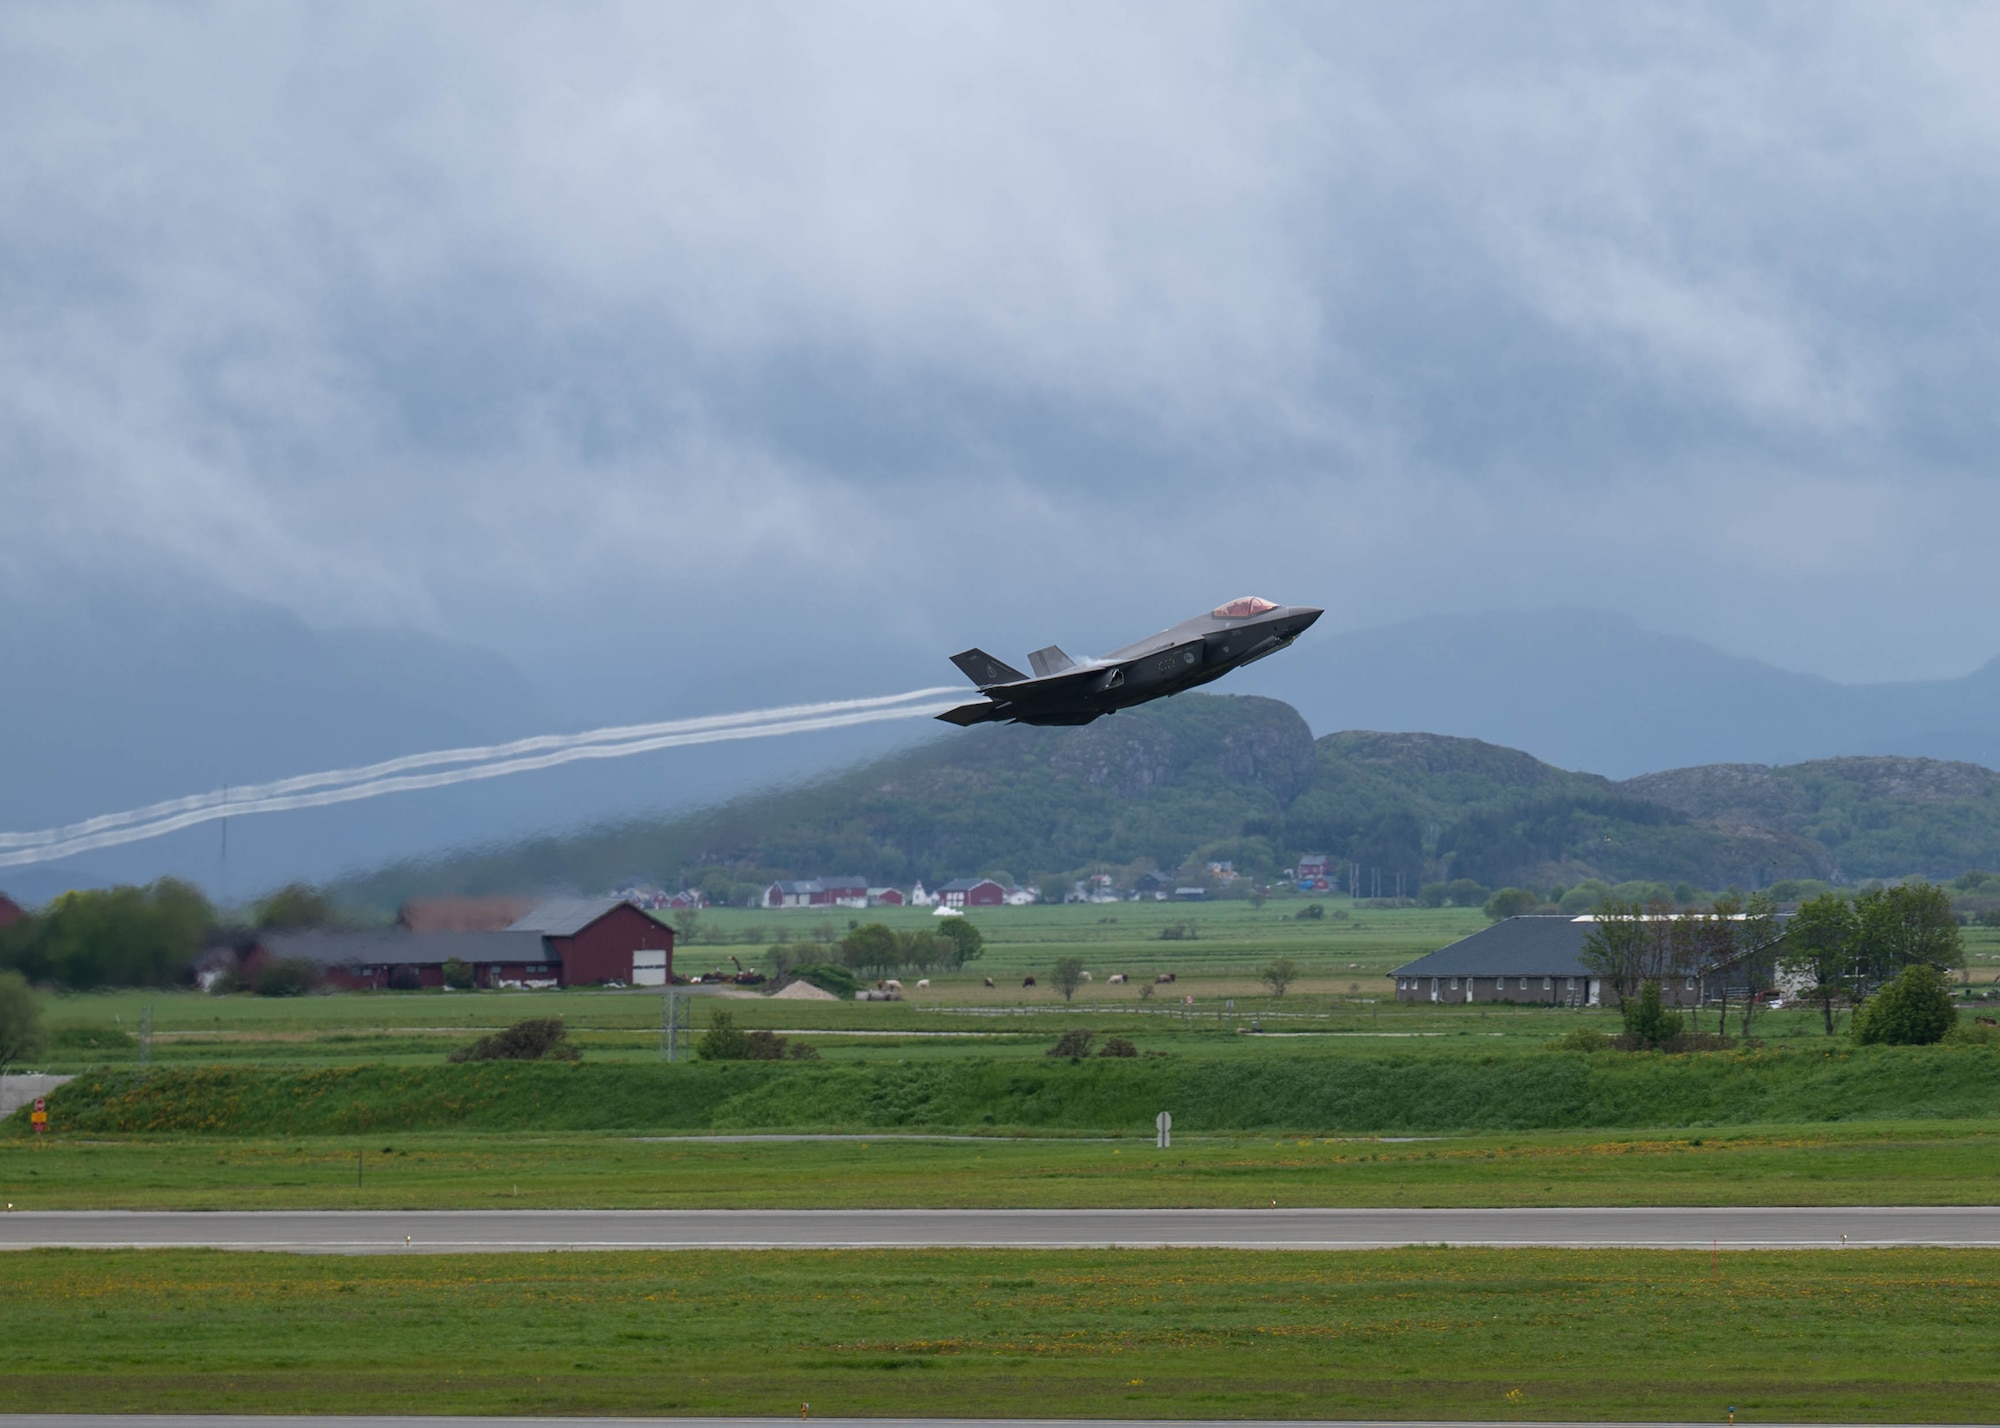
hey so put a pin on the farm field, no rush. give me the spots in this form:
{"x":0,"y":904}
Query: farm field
{"x":1907,"y":1336}
{"x":1859,"y":1164}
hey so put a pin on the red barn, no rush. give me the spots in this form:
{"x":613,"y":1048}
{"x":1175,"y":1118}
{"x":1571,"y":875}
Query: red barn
{"x":604,"y":939}
{"x":10,"y":911}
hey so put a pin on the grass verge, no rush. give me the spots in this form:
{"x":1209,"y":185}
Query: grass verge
{"x":1910,"y":1336}
{"x":1405,"y":1093}
{"x":1909,"y":1164}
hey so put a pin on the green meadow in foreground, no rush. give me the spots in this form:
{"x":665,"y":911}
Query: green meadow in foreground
{"x":1911,"y":1335}
{"x":1905,"y":1163}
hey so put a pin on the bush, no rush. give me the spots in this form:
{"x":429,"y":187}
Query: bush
{"x":1581,"y":1038}
{"x":1280,"y":974}
{"x":1311,"y":912}
{"x":286,"y":977}
{"x":724,"y":1040}
{"x":1118,"y":1046}
{"x":769,"y":1046}
{"x":458,"y":974}
{"x":1075,"y":1042}
{"x":22,"y":1035}
{"x":1647,"y":1022}
{"x":838,"y":980}
{"x":1511,"y":902}
{"x":539,"y":1038}
{"x":1973,"y":1033}
{"x":1913,"y":1010}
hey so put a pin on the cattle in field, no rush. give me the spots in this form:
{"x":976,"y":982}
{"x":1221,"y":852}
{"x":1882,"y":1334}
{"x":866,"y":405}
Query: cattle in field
{"x":923,"y":983}
{"x":892,"y":984}
{"x":1164,"y":977}
{"x":1087,"y":977}
{"x":1115,"y":979}
{"x":989,"y":981}
{"x":1029,"y":980}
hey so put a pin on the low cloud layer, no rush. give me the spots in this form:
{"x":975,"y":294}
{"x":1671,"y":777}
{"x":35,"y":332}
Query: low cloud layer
{"x":562,"y":330}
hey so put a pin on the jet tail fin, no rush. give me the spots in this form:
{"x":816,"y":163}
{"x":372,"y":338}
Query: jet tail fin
{"x":1050,"y":661}
{"x":982,"y":669}
{"x":966,"y":715}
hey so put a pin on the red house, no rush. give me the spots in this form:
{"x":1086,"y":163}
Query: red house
{"x":972,"y":892}
{"x":10,"y":911}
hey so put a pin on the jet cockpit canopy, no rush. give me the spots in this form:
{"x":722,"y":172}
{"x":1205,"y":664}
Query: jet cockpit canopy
{"x":1242,"y":609}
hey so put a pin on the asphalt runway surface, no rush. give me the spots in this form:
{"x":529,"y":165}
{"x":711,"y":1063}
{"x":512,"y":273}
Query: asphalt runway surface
{"x":343,"y":1420}
{"x":520,"y":1231}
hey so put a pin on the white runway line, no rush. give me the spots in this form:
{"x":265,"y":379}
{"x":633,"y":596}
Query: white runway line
{"x":319,"y":790}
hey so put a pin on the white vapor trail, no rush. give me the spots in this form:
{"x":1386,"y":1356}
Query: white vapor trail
{"x":491,"y":761}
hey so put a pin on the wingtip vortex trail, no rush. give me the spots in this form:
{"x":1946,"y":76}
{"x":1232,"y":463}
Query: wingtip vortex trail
{"x":398,"y":775}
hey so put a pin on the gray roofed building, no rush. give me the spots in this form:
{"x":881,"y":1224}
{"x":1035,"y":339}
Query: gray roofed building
{"x":565,"y":916}
{"x":395,"y":947}
{"x":1537,"y":957}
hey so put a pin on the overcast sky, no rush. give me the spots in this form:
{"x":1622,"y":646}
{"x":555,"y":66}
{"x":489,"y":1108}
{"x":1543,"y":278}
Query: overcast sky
{"x":888,"y":329}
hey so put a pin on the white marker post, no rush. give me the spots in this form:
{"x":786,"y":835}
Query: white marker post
{"x":1164,"y":1124}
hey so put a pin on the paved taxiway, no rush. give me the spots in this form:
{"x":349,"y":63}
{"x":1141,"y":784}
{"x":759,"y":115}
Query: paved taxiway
{"x":440,"y":1231}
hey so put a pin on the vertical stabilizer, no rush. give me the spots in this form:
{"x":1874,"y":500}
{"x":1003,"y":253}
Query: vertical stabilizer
{"x":1050,"y":661}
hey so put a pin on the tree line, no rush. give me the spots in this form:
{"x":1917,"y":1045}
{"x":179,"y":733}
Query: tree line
{"x":1834,"y":949}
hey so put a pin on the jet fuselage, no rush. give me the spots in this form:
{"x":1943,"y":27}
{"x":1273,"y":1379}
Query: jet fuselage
{"x":1190,"y":654}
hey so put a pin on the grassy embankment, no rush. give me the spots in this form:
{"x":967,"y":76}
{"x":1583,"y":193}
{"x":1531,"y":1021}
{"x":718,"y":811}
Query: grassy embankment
{"x":1932,"y":1162}
{"x":1854,"y":1126}
{"x":1908,"y":1336}
{"x":1422,"y":1092}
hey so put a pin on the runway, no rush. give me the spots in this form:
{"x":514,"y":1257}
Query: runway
{"x":526,"y":1231}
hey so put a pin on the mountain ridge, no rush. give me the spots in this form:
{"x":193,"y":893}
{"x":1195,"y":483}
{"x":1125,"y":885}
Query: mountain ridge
{"x":1240,"y":778}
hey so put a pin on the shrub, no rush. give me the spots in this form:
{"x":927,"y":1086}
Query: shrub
{"x":724,"y":1040}
{"x":1511,"y":902}
{"x":1311,"y":912}
{"x":838,"y":980}
{"x":1074,"y":1042}
{"x":22,"y":1035}
{"x":286,"y":977}
{"x":539,"y":1038}
{"x":1581,"y":1038}
{"x":1973,"y":1034}
{"x":1280,"y":974}
{"x":458,"y":974}
{"x":769,"y":1047}
{"x":1647,"y":1022}
{"x":1067,"y":974}
{"x":1913,"y":1010}
{"x":1118,"y":1046}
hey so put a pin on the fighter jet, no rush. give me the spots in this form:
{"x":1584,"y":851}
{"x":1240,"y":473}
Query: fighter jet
{"x":1067,"y":691}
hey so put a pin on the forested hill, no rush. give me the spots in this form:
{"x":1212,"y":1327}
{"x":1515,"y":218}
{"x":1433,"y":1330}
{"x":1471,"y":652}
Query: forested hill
{"x":1182,"y":782}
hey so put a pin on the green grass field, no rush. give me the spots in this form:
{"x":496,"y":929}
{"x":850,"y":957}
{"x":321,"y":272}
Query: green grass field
{"x":1873,"y":1164}
{"x":1908,"y":1336}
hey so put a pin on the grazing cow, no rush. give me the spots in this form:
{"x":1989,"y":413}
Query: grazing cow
{"x":1116,"y":979}
{"x":1029,"y":980}
{"x":989,"y":981}
{"x":923,"y":983}
{"x":1086,"y":976}
{"x":1164,"y":977}
{"x":893,"y":985}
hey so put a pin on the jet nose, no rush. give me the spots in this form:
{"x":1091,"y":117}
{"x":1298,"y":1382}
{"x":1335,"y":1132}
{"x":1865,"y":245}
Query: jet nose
{"x":1302,"y":617}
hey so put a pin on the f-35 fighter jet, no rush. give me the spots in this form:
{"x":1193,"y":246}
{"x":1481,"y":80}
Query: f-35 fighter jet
{"x":1066,"y":691}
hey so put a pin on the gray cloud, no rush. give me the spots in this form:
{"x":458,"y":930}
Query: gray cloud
{"x":515,"y":320}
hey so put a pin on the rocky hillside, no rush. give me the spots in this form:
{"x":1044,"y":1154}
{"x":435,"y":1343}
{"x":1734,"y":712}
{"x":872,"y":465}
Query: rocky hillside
{"x":1204,"y":777}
